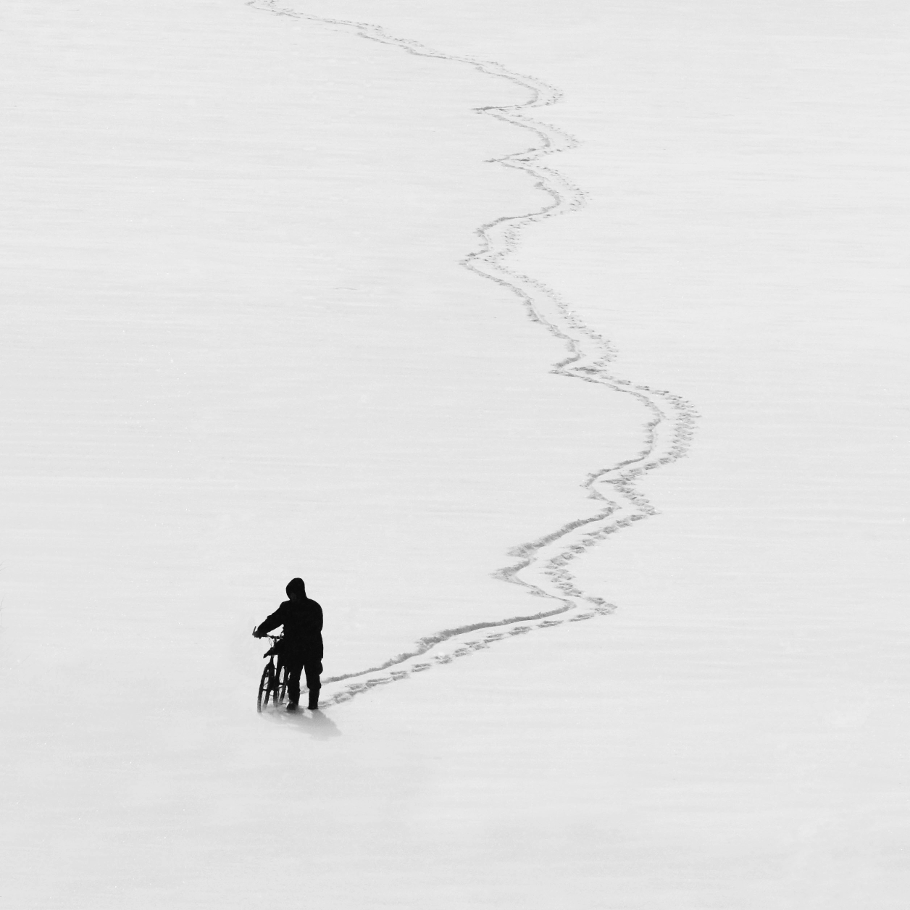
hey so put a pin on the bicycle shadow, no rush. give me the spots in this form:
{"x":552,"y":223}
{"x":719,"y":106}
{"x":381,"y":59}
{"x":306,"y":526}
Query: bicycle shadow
{"x":313,"y":723}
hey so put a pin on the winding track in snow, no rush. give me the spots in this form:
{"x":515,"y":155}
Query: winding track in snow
{"x":542,"y":565}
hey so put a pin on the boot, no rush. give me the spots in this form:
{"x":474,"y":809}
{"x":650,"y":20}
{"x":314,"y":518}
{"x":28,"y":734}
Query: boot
{"x":314,"y":700}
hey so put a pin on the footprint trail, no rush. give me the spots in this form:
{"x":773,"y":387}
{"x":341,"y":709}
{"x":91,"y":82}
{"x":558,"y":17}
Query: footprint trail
{"x":542,"y":566}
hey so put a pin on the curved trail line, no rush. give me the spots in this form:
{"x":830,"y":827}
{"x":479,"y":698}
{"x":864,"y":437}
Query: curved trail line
{"x":542,"y":566}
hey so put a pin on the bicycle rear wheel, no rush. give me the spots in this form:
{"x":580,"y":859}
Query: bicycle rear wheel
{"x":281,"y":683}
{"x":266,"y":685}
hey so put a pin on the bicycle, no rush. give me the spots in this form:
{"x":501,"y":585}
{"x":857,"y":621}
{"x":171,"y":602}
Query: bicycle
{"x":274,"y":681}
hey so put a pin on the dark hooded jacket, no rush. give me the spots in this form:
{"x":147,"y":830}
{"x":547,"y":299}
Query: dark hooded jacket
{"x":302,"y":621}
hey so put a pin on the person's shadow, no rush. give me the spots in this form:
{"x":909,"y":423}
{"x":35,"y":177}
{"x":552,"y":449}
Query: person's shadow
{"x":314,"y":723}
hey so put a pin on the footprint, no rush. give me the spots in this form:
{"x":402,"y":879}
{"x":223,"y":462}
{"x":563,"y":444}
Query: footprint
{"x":500,"y":237}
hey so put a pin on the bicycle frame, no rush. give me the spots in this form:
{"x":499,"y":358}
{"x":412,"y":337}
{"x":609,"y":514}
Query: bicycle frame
{"x":273,"y":683}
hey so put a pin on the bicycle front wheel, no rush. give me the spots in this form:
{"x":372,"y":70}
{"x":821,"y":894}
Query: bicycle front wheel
{"x":266,"y":685}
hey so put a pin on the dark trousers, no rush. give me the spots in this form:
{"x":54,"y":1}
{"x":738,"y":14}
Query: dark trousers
{"x":297,"y":664}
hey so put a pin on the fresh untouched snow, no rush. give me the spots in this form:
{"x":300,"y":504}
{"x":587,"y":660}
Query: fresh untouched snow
{"x":348,"y":290}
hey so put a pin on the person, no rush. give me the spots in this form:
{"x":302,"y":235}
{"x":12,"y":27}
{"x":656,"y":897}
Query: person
{"x":301,"y":646}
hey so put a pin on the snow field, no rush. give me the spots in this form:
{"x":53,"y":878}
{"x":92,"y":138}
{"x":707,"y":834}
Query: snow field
{"x":189,"y":355}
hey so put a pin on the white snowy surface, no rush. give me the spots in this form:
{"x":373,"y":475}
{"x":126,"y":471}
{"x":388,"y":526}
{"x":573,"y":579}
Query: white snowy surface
{"x":236,"y":345}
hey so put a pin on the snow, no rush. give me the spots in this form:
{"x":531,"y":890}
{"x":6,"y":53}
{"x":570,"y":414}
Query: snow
{"x":238,"y":345}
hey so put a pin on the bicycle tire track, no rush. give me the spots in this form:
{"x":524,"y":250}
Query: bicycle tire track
{"x":543,"y":564}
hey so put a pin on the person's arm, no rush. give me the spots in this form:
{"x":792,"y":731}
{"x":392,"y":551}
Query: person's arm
{"x":273,"y":621}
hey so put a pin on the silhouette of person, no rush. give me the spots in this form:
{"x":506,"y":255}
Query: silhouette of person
{"x":301,"y":647}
